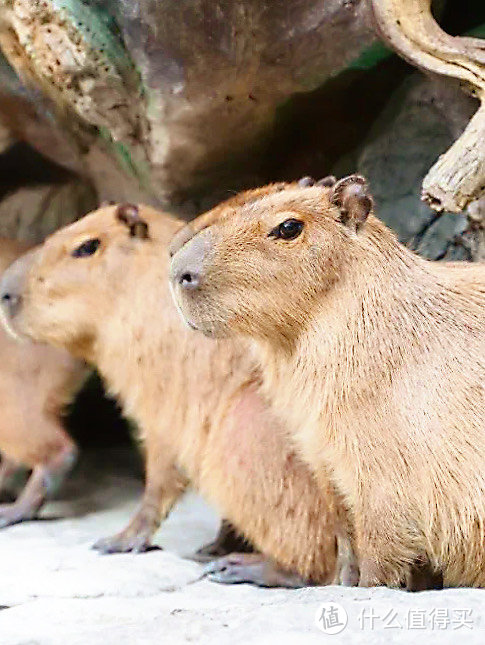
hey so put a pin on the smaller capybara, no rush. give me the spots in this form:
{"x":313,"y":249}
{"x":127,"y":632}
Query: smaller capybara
{"x":373,"y":356}
{"x":36,"y":384}
{"x":99,"y":289}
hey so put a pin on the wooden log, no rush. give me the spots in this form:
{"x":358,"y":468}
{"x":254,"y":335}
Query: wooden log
{"x":408,"y":26}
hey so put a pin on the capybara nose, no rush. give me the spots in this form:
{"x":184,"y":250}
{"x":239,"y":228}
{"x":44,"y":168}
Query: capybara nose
{"x":189,"y":262}
{"x":10,"y":301}
{"x":189,"y":280}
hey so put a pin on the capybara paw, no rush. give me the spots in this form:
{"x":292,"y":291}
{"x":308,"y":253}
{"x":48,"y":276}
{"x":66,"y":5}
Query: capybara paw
{"x":250,"y":568}
{"x":13,"y":514}
{"x":123,"y":543}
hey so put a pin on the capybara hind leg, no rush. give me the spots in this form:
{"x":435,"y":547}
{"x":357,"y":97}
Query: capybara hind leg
{"x":422,"y":576}
{"x":43,"y":481}
{"x":8,"y":468}
{"x":164,"y":485}
{"x":253,"y":568}
{"x":374,"y":573}
{"x":228,"y":540}
{"x":347,"y":567}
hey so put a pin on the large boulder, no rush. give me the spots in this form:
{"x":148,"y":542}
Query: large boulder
{"x":421,"y":120}
{"x":179,"y":96}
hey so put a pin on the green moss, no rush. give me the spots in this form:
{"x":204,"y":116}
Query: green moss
{"x":477,"y":32}
{"x":98,"y":28}
{"x":370,"y":57}
{"x":122,"y":153}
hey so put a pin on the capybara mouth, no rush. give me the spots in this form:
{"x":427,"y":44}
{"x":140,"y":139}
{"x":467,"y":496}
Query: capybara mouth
{"x":6,"y":323}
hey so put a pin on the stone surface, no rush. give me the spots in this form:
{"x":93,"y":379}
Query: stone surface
{"x":28,"y":116}
{"x":6,"y":138}
{"x":32,"y":213}
{"x":55,"y":590}
{"x":181,"y":96}
{"x":420,"y":122}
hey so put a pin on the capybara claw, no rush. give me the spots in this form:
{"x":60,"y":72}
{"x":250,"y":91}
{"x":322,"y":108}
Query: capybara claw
{"x":123,"y":544}
{"x":11,"y":514}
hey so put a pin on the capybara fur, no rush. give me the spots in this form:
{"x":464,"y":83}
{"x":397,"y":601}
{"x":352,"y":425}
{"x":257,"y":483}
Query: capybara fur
{"x":36,"y":384}
{"x":99,"y":289}
{"x":373,"y":356}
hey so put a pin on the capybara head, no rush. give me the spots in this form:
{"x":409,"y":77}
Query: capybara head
{"x":258,"y":263}
{"x":62,"y":291}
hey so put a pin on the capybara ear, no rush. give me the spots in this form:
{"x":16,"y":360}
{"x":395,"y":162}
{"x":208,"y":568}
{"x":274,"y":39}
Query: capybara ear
{"x":305,"y":182}
{"x":327,"y":182}
{"x":352,"y":198}
{"x":129,"y":214}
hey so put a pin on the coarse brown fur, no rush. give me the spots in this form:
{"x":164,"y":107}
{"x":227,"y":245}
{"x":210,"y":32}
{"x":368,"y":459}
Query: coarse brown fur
{"x":373,"y":356}
{"x":197,"y":403}
{"x":36,"y":383}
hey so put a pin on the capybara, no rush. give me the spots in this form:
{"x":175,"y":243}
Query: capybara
{"x":36,"y":384}
{"x":99,"y":289}
{"x":373,"y":356}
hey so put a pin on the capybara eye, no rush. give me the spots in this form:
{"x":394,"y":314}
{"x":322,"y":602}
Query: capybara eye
{"x":287,"y":230}
{"x":86,"y":248}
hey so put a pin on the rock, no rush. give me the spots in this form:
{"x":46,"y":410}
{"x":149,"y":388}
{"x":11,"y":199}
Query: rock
{"x":28,"y":116}
{"x":6,"y":138}
{"x":422,"y":120}
{"x":473,"y":239}
{"x":182,"y":96}
{"x":55,"y":590}
{"x":31,"y":213}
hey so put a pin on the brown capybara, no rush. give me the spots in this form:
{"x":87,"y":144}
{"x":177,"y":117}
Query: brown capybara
{"x":373,"y":356}
{"x":99,"y":289}
{"x":36,"y":384}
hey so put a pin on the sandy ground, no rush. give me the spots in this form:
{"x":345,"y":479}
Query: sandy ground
{"x":55,"y":590}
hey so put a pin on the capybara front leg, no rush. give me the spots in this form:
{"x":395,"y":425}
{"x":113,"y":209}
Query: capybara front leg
{"x":44,"y":481}
{"x":253,"y":568}
{"x":228,"y":540}
{"x":164,"y":485}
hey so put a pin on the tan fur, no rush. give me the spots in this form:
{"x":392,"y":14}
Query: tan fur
{"x":374,"y":357}
{"x":196,"y":402}
{"x":36,"y":383}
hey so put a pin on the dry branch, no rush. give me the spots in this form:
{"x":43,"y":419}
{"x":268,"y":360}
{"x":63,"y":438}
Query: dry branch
{"x":458,"y":177}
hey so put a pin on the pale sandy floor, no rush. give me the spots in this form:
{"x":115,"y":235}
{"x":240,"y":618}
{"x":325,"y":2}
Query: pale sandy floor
{"x":54,"y":590}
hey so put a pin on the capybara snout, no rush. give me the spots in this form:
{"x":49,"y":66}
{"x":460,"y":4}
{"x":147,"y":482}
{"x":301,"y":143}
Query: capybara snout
{"x":12,"y":287}
{"x":187,"y":270}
